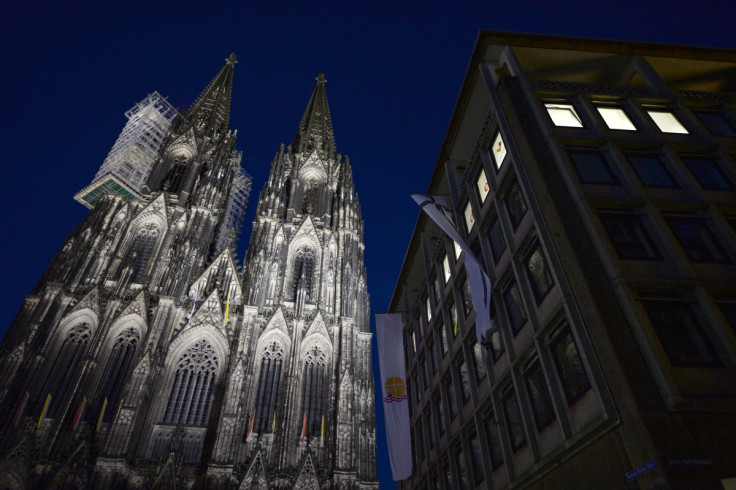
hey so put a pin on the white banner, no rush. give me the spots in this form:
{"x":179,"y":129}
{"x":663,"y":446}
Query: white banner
{"x":395,"y":402}
{"x":478,"y":280}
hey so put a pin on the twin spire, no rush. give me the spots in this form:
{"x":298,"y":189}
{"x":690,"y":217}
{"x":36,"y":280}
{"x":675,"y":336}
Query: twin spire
{"x":210,"y":113}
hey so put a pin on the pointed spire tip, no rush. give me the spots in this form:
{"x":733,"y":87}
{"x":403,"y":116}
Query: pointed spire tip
{"x":232,"y":59}
{"x":321,"y":78}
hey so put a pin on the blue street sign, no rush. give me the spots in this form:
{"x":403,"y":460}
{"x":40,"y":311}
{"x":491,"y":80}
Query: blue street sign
{"x":637,"y":472}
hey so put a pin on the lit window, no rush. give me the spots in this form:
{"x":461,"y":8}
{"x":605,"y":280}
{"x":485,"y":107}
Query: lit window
{"x":446,"y":268}
{"x":709,"y":175}
{"x":564,"y":115}
{"x":429,"y":310}
{"x":483,"y":187}
{"x":499,"y":150}
{"x":457,"y":249}
{"x":681,"y":333}
{"x":569,"y":366}
{"x":536,"y":387}
{"x":628,"y":236}
{"x":651,"y":171}
{"x":697,"y":240}
{"x":667,"y":122}
{"x":469,"y":217}
{"x":616,"y":118}
{"x":592,"y":168}
{"x":716,"y":124}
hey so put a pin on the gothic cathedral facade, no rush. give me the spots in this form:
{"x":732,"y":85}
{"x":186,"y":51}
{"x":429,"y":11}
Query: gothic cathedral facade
{"x":146,"y":357}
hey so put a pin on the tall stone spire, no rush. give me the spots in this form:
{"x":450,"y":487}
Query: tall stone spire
{"x":315,"y":129}
{"x":210,"y":113}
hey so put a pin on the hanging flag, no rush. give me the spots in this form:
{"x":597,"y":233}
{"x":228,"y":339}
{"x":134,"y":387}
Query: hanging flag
{"x":78,"y":415}
{"x":102,"y":414}
{"x":43,"y":412}
{"x":250,"y":429}
{"x":395,"y":403}
{"x":478,"y":280}
{"x":20,"y":410}
{"x":304,"y":429}
{"x":322,"y":437}
{"x":194,"y":304}
{"x":227,"y":310}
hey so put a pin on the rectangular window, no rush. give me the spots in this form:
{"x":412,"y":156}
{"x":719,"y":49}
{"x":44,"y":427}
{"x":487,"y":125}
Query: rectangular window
{"x":629,"y":237}
{"x":498,"y":150}
{"x":564,"y":115}
{"x":449,"y":396}
{"x":616,"y":118}
{"x":592,"y":168}
{"x":569,"y":366}
{"x":447,"y":474}
{"x":515,"y":204}
{"x":413,"y":341}
{"x":432,"y":356}
{"x":453,"y":313}
{"x":483,"y":187}
{"x":495,"y":238}
{"x":697,"y":240}
{"x":651,"y":171}
{"x":437,"y":404}
{"x":446,"y":269}
{"x":709,"y":175}
{"x":541,"y":402}
{"x":437,"y":290}
{"x":496,"y":343}
{"x":423,"y":369}
{"x":539,"y":276}
{"x":680,"y":333}
{"x":478,"y":364}
{"x":419,"y":441}
{"x":469,"y":217}
{"x":462,"y":374}
{"x":443,"y":339}
{"x":476,"y":459}
{"x":494,"y":440}
{"x":716,"y":124}
{"x":462,"y":474}
{"x":514,"y":307}
{"x":428,"y":309}
{"x":466,"y":298}
{"x":667,"y":122}
{"x":457,"y":250}
{"x":514,"y":424}
{"x":430,"y":427}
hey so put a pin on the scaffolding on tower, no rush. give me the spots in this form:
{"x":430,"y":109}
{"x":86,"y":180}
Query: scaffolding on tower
{"x":235,"y":211}
{"x":129,"y":162}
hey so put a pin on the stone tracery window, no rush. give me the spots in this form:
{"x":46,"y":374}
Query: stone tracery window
{"x":310,"y":203}
{"x":191,"y":393}
{"x":268,"y":387}
{"x":141,"y":251}
{"x":312,"y":388}
{"x":61,"y":375}
{"x":303,"y":272}
{"x":116,"y":371}
{"x":174,"y":179}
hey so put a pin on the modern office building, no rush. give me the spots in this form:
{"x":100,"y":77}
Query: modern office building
{"x":596,"y":182}
{"x":145,"y":357}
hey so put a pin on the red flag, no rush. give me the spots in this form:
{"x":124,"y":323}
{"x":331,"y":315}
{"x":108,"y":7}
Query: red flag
{"x":20,"y":410}
{"x":78,"y":415}
{"x":250,"y":429}
{"x":304,"y":429}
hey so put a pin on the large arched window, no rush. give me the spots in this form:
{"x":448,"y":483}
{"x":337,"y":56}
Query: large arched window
{"x":303,"y":272}
{"x":174,"y":179}
{"x":141,"y":251}
{"x":314,"y":373}
{"x":310,"y":203}
{"x":116,"y":371}
{"x":61,"y":377}
{"x":191,"y":394}
{"x":268,"y":387}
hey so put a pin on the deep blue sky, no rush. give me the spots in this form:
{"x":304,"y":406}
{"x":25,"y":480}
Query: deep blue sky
{"x":69,"y":70}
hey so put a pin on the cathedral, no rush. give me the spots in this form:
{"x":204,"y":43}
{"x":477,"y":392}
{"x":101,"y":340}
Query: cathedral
{"x":147,"y":357}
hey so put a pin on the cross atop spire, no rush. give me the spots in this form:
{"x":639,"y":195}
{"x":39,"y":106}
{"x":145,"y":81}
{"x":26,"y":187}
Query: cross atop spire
{"x":210,"y":113}
{"x":315,"y":129}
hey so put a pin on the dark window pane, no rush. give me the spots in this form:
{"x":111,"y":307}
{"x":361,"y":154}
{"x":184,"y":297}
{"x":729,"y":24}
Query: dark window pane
{"x":432,"y":356}
{"x":514,"y":307}
{"x":494,"y":441}
{"x":716,"y":124}
{"x":430,"y":427}
{"x":462,"y":475}
{"x":651,"y":171}
{"x":515,"y":204}
{"x":729,"y":311}
{"x":465,"y":296}
{"x":446,"y":474}
{"x":536,"y":387}
{"x":449,"y":396}
{"x":697,"y":240}
{"x":476,"y":460}
{"x":539,"y":276}
{"x":570,"y":367}
{"x":464,"y":377}
{"x":681,"y":334}
{"x":709,"y":175}
{"x":495,"y":236}
{"x":592,"y":168}
{"x":628,"y":237}
{"x":496,"y":343}
{"x":513,"y":421}
{"x":437,"y":404}
{"x":442,"y":334}
{"x":419,"y":441}
{"x":478,"y":364}
{"x":437,"y":290}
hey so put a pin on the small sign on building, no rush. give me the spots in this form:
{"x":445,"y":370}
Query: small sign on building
{"x":641,"y":470}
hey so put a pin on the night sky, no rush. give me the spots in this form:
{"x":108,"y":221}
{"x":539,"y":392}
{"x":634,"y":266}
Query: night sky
{"x":68,"y":73}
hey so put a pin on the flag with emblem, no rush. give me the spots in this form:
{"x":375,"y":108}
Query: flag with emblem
{"x":395,"y":403}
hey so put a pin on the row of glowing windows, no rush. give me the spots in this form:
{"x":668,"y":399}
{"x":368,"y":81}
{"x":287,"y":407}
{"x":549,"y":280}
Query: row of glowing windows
{"x":565,"y":115}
